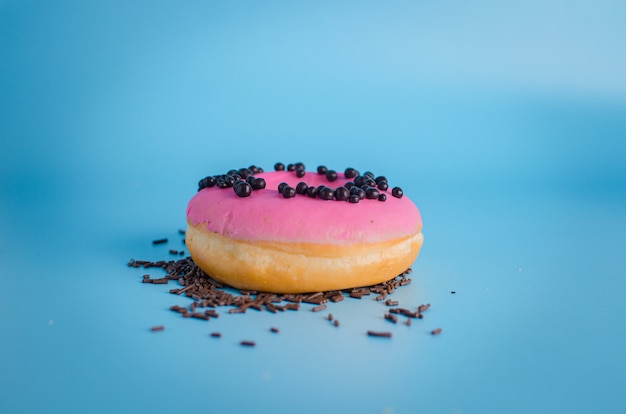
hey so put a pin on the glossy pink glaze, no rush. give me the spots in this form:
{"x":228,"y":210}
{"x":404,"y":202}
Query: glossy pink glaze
{"x":266,"y":215}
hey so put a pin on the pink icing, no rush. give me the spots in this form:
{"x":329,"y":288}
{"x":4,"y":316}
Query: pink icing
{"x":266,"y":215}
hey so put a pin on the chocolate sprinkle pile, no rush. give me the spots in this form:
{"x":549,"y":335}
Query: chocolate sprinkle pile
{"x":365,"y":186}
{"x":209,"y":294}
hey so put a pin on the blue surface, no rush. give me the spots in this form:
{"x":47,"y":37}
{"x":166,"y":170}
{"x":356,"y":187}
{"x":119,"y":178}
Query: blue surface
{"x":506,"y":125}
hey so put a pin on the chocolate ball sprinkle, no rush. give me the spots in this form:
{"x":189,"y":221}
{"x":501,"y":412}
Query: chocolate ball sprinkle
{"x":331,"y":175}
{"x":279,"y":166}
{"x":342,"y":193}
{"x":369,"y":182}
{"x":242,"y":189}
{"x":369,"y":174}
{"x":311,"y":191}
{"x":301,"y":187}
{"x":244,"y":173}
{"x":322,"y":169}
{"x":206,"y":182}
{"x":291,"y":167}
{"x":258,"y":183}
{"x":325,"y":193}
{"x":350,"y":172}
{"x":382,"y":197}
{"x":281,"y":186}
{"x":359,"y":192}
{"x":397,"y":192}
{"x":288,"y":192}
{"x":349,"y":185}
{"x":383,"y":185}
{"x":354,"y":199}
{"x":300,"y":172}
{"x":372,"y":193}
{"x":380,"y":178}
{"x":230,"y":180}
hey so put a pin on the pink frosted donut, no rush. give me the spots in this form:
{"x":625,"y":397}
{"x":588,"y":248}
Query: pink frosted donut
{"x":271,"y":241}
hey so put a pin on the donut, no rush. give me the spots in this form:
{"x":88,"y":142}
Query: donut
{"x":297,"y":231}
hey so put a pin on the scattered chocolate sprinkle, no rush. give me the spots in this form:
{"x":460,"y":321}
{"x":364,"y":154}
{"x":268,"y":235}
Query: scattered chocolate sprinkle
{"x":390,"y":302}
{"x":181,"y":231}
{"x":157,"y":328}
{"x":422,"y":308}
{"x":216,"y":334}
{"x":173,"y":251}
{"x":319,"y":308}
{"x":247,"y":343}
{"x":199,"y":315}
{"x":379,"y":334}
{"x":159,"y":241}
{"x":405,"y":312}
{"x":275,"y":330}
{"x":408,"y":321}
{"x":453,"y":292}
{"x":436,"y":331}
{"x":391,"y":317}
{"x":209,"y":294}
{"x":337,"y":298}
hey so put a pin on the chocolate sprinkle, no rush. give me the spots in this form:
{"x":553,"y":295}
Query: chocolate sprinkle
{"x":159,"y":241}
{"x":379,"y":334}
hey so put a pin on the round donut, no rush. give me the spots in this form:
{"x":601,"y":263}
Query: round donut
{"x":246,"y":233}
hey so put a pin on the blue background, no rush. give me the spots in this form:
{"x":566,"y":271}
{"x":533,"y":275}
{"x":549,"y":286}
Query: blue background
{"x":504,"y":121}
